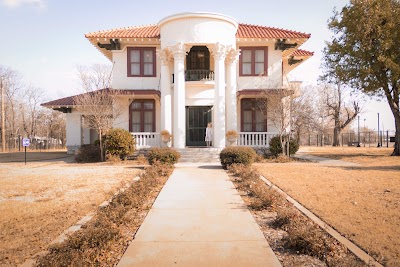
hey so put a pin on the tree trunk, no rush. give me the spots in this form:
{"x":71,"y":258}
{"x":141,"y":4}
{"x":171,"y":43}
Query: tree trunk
{"x":396,"y":151}
{"x":336,"y":135}
{"x":101,"y":145}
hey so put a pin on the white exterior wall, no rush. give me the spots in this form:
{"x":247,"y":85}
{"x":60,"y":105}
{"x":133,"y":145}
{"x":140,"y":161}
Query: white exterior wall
{"x":120,"y":72}
{"x":73,"y":131}
{"x":197,"y":28}
{"x":274,"y":78}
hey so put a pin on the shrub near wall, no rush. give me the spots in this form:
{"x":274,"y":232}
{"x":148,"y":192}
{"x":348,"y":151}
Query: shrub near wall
{"x":164,"y":155}
{"x":88,"y":153}
{"x":237,"y":155}
{"x":275,"y":146}
{"x":119,"y":142}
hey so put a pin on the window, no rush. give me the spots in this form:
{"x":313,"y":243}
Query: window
{"x":141,"y":62}
{"x":142,"y":116}
{"x":254,"y":115}
{"x":253,"y":61}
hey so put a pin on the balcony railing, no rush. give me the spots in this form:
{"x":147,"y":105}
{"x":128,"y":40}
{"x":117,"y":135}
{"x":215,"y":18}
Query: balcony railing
{"x":255,"y":139}
{"x":199,"y":75}
{"x":147,"y":140}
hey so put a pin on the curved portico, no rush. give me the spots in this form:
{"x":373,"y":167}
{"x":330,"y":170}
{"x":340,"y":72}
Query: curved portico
{"x":179,"y":34}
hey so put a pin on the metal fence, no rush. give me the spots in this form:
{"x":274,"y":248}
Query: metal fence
{"x":362,"y":139}
{"x":13,"y":144}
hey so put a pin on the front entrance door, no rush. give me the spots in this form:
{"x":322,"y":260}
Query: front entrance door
{"x":196,"y":124}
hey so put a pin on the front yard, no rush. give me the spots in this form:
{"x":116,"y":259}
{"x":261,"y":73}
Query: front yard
{"x":38,"y":201}
{"x":362,"y":202}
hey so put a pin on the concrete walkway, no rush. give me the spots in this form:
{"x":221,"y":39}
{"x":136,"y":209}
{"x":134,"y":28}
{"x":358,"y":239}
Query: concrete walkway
{"x":325,"y":161}
{"x":199,"y":219}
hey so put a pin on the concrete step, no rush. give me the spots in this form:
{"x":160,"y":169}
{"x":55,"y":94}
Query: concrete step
{"x":199,"y":154}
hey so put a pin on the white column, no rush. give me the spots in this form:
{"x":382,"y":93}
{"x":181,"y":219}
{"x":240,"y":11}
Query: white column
{"x":166,"y":100}
{"x":231,"y":103}
{"x":179,"y":132}
{"x":74,"y":131}
{"x":219,"y":53}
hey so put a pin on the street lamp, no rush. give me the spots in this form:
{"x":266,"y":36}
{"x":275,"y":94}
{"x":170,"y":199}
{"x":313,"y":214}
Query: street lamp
{"x":365,"y":129}
{"x":378,"y":132}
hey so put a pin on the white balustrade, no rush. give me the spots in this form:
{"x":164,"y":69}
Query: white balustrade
{"x":147,"y":140}
{"x":255,"y":139}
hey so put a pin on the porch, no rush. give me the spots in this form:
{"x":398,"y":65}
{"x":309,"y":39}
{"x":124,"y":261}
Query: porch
{"x":249,"y":139}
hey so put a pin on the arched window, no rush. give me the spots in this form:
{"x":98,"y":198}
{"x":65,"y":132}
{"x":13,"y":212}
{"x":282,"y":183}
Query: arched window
{"x":142,"y":116}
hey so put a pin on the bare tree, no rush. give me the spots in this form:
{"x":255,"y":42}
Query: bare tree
{"x":99,"y":111}
{"x":340,"y":112}
{"x":95,"y":77}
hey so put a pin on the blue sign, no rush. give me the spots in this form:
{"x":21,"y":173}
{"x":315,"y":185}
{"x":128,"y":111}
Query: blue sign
{"x":26,"y":142}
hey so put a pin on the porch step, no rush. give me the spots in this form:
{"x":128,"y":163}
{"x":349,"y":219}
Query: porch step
{"x":197,"y":154}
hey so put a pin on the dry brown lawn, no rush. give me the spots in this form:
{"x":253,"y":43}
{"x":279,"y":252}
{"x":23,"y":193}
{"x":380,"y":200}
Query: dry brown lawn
{"x":38,"y":201}
{"x":363,"y":203}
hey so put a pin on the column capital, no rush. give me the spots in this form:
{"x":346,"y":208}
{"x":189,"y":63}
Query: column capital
{"x":179,"y":50}
{"x":164,"y":56}
{"x":218,"y":50}
{"x":232,"y":56}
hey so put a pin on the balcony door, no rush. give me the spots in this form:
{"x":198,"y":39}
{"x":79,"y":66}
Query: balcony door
{"x":198,"y":64}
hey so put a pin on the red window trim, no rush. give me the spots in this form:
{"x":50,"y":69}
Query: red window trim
{"x":253,"y":125}
{"x":142,"y":113}
{"x":253,"y":60}
{"x":141,"y":49}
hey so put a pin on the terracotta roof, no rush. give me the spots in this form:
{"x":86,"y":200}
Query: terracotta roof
{"x":152,"y":31}
{"x":147,"y":31}
{"x":302,"y":53}
{"x":255,"y":31}
{"x":69,"y":101}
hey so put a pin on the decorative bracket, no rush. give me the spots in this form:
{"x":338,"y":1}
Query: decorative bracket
{"x":292,"y":61}
{"x":113,"y":45}
{"x":281,"y":45}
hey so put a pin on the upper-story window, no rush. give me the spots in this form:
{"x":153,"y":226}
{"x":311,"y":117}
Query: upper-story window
{"x":253,"y":61}
{"x":141,"y":62}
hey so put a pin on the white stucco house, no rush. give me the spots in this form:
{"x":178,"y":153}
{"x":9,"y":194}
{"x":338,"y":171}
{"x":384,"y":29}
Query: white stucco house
{"x":188,"y":70}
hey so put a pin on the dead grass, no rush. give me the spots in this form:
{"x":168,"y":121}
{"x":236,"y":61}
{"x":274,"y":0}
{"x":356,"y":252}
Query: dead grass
{"x":360,"y":202}
{"x":294,"y":238}
{"x":104,"y":239}
{"x":38,"y":201}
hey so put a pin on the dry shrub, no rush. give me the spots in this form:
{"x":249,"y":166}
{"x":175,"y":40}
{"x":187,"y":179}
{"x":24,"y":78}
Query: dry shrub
{"x":305,"y":239}
{"x":237,"y":155}
{"x":284,"y":215}
{"x":93,"y":243}
{"x":141,"y":159}
{"x":113,"y":158}
{"x":164,"y":155}
{"x":88,"y":153}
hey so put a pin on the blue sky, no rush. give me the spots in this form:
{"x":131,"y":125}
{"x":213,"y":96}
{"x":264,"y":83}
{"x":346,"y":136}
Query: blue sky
{"x":44,"y":39}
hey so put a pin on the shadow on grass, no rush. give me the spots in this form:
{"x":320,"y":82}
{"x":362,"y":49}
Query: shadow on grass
{"x":367,"y":168}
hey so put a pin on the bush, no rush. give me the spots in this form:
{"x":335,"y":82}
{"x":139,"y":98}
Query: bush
{"x":88,"y":153}
{"x":275,"y":146}
{"x":164,"y":155}
{"x":237,"y":155}
{"x":119,"y":142}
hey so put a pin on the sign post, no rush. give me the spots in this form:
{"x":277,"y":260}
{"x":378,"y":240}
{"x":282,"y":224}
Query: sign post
{"x":25,"y":143}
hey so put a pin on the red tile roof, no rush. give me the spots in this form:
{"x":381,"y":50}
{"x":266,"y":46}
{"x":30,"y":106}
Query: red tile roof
{"x":70,"y":100}
{"x":148,"y":31}
{"x":255,"y":31}
{"x":152,"y":31}
{"x":302,"y":53}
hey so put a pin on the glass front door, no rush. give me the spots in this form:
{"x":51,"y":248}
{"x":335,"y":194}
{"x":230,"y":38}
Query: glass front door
{"x":196,"y":124}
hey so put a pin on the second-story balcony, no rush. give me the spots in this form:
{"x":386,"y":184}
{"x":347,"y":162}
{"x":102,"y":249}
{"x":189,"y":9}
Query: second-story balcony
{"x":199,"y":75}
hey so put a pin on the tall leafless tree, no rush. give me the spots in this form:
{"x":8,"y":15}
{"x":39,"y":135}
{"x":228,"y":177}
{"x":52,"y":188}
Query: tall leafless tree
{"x":338,"y":110}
